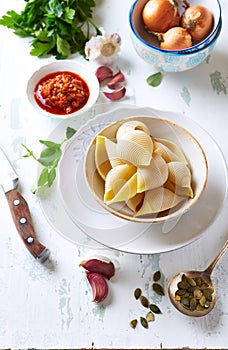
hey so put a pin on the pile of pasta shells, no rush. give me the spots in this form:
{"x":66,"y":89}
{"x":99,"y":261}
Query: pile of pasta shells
{"x":150,"y":175}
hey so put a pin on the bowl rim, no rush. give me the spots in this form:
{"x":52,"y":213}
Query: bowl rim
{"x":176,"y":213}
{"x":193,"y":49}
{"x":64,"y":65}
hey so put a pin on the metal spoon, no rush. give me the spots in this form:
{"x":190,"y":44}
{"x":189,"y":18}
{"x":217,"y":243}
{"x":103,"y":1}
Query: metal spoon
{"x":205,"y":275}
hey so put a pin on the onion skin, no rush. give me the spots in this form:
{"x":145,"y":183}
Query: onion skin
{"x":176,"y":38}
{"x":160,"y":15}
{"x":198,"y":20}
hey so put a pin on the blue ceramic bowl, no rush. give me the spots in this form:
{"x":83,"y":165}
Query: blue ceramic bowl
{"x":147,"y":46}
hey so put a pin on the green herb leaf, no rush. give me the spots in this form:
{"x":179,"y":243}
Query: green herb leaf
{"x":154,"y":79}
{"x":51,"y":177}
{"x":49,"y":158}
{"x":43,"y":178}
{"x":70,"y":132}
{"x":49,"y":155}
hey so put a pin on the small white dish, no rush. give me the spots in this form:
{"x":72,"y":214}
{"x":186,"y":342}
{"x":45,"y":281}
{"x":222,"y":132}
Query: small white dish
{"x":64,"y":66}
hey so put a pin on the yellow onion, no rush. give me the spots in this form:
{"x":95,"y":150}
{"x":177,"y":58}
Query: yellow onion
{"x":198,"y":20}
{"x":176,"y":38}
{"x":160,"y":15}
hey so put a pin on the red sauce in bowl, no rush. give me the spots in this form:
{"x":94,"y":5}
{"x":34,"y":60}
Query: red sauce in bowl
{"x":61,"y":93}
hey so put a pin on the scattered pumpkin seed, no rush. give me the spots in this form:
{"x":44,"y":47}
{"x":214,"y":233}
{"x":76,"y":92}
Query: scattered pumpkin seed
{"x":158,"y":289}
{"x":144,"y":301}
{"x":157,"y":276}
{"x":144,"y":322}
{"x":133,"y":323}
{"x":154,"y":308}
{"x":137,"y":293}
{"x":150,"y":317}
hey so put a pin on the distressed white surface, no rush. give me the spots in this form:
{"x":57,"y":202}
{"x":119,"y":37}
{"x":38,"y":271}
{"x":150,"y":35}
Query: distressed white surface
{"x":49,"y":306}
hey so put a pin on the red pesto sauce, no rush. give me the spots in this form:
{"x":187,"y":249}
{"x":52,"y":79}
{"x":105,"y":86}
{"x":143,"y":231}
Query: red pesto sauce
{"x":61,"y":93}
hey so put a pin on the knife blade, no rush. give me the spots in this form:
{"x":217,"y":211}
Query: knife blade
{"x":19,"y":210}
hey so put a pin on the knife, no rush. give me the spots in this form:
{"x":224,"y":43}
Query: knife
{"x":20,"y":210}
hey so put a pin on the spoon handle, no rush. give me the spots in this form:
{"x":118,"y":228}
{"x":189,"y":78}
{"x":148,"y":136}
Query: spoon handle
{"x":216,"y":259}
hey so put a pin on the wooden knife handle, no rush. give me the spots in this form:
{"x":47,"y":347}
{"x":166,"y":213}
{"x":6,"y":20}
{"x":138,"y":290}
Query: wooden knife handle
{"x":23,"y":222}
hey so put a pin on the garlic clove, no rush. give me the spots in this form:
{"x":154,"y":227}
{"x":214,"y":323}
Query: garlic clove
{"x":105,"y":268}
{"x":99,"y":286}
{"x":116,"y":94}
{"x":117,"y":79}
{"x":103,"y":72}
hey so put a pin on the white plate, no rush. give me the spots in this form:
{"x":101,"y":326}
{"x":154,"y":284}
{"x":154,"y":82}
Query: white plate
{"x":83,"y":214}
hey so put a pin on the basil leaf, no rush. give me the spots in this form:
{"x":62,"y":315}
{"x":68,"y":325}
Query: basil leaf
{"x":51,"y":176}
{"x":50,"y":144}
{"x":43,"y":178}
{"x":154,"y":79}
{"x":49,"y":155}
{"x":70,"y":132}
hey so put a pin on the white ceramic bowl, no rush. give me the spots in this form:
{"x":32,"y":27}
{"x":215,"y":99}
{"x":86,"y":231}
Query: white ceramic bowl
{"x":160,"y":128}
{"x":147,"y":46}
{"x":61,"y":66}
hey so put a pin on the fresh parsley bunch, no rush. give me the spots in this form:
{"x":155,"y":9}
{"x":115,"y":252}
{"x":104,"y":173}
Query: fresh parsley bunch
{"x":59,"y":27}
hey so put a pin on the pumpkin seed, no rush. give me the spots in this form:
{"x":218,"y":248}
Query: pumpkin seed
{"x":193,"y":303}
{"x":180,"y":292}
{"x":183,"y":285}
{"x":197,"y":293}
{"x":191,"y":281}
{"x":133,"y":323}
{"x":207,"y":304}
{"x":199,"y":307}
{"x":144,"y":322}
{"x":208,"y":294}
{"x":185,"y":301}
{"x":157,"y":276}
{"x":158,"y":289}
{"x":202,"y":300}
{"x":150,"y":317}
{"x":154,"y":308}
{"x":137,"y":293}
{"x":144,"y":301}
{"x":198,"y":281}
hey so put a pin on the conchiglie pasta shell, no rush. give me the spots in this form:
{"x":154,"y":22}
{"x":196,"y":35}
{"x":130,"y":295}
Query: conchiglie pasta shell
{"x":180,"y":174}
{"x":134,"y":203}
{"x":129,"y":126}
{"x":158,"y":200}
{"x":180,"y":191}
{"x":101,"y":157}
{"x":153,"y":175}
{"x":168,"y":150}
{"x":111,"y":150}
{"x":135,"y":147}
{"x":120,"y":184}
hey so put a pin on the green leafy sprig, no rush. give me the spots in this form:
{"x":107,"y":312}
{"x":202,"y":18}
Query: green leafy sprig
{"x":49,"y":158}
{"x":58,"y":27}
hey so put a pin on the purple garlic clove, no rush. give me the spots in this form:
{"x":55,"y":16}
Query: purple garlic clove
{"x":99,"y":286}
{"x":106,"y":269}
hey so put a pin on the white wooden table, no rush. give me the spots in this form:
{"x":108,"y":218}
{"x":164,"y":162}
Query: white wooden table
{"x":49,"y":306}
